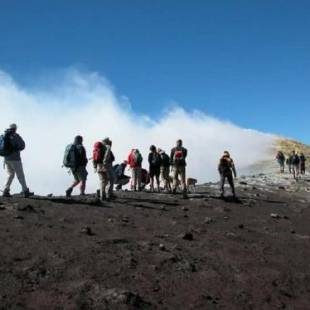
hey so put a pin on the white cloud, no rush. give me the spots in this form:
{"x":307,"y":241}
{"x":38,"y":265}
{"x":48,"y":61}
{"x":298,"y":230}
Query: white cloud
{"x":86,"y":104}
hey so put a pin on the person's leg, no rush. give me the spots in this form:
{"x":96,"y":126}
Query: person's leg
{"x":134,"y":179}
{"x":110,"y":175}
{"x":18,"y":167}
{"x":103,"y":184}
{"x":83,"y":179}
{"x":175,"y":176}
{"x":222,"y":184}
{"x":157,"y":181}
{"x":11,"y":174}
{"x":139,"y":173}
{"x":183,"y":178}
{"x":231,"y":183}
{"x":152,"y":181}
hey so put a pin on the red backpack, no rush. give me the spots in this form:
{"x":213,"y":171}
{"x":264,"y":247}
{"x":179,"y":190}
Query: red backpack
{"x":98,"y":152}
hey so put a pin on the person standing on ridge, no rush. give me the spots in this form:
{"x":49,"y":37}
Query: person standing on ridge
{"x":135,"y":163}
{"x":227,"y":170}
{"x":165,"y":169}
{"x":281,"y":160}
{"x":103,"y":159}
{"x":295,"y":161}
{"x":302,"y":163}
{"x":154,"y":170}
{"x":289,"y":164}
{"x":75,"y":158}
{"x":11,"y":144}
{"x":178,"y":162}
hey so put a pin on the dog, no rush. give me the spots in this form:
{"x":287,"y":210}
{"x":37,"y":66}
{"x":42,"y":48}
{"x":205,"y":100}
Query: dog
{"x":190,"y":183}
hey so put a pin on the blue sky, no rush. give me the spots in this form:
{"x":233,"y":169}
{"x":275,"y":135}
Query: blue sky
{"x":243,"y":61}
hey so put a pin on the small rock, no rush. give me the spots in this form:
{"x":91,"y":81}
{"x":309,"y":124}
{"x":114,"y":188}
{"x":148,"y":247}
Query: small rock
{"x":241,"y":226}
{"x":162,"y":247}
{"x":243,"y":183}
{"x":125,"y":219}
{"x":87,"y":230}
{"x":281,"y":187}
{"x":187,"y":236}
{"x":110,"y":220}
{"x":19,"y":217}
{"x":163,"y":208}
{"x":184,"y":208}
{"x":293,"y":231}
{"x":275,"y":216}
{"x":226,"y":218}
{"x":208,"y":220}
{"x":2,"y":207}
{"x":24,"y":207}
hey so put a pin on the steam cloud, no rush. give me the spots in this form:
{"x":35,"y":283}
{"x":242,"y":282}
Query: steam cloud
{"x":86,"y":104}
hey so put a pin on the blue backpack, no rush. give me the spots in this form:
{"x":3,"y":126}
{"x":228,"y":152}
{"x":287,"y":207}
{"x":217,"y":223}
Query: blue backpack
{"x":5,"y":145}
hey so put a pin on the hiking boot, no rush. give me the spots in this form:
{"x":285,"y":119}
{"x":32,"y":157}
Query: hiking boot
{"x":27,"y":193}
{"x":69,"y":192}
{"x":6,"y":193}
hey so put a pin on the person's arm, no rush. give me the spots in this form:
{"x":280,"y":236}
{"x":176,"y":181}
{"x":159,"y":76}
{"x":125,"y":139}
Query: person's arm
{"x":171,"y":156}
{"x":233,"y":168}
{"x":150,"y":158}
{"x":84,"y":156}
{"x":185,"y":153}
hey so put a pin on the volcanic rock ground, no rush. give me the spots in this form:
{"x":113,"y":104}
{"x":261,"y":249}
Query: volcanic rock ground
{"x":159,"y":251}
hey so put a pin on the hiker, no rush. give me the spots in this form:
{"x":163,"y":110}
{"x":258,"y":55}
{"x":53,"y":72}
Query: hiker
{"x":178,"y":162}
{"x":281,"y":160}
{"x":103,"y":158}
{"x":289,"y":164}
{"x":145,"y":178}
{"x":135,"y":163}
{"x":120,"y":179}
{"x":295,"y":161}
{"x":11,"y":144}
{"x":75,"y":158}
{"x":154,"y":167}
{"x":227,"y":170}
{"x":302,"y":163}
{"x":165,"y":169}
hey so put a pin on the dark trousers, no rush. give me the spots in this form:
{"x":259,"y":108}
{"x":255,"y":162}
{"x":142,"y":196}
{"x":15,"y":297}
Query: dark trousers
{"x":230,"y":179}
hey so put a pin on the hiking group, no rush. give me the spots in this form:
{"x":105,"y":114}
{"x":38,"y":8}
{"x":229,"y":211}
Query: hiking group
{"x":295,"y":162}
{"x":75,"y":158}
{"x":109,"y":175}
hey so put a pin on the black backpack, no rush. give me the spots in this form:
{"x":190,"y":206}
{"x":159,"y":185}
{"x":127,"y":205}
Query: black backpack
{"x":5,"y":145}
{"x":165,"y":159}
{"x":155,"y":161}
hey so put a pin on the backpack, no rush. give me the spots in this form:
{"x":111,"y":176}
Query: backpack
{"x":295,"y":160}
{"x":280,"y":156}
{"x":5,"y":145}
{"x":165,"y":159}
{"x":98,"y":152}
{"x":137,"y":158}
{"x":155,"y":161}
{"x":70,"y":157}
{"x":178,"y":157}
